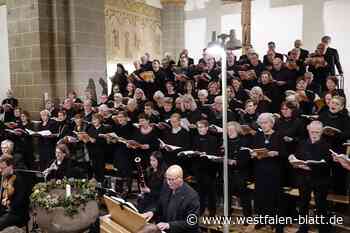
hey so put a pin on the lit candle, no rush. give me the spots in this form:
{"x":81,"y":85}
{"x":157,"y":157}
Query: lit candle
{"x":68,"y":190}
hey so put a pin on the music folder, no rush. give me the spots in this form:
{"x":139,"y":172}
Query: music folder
{"x":123,"y":214}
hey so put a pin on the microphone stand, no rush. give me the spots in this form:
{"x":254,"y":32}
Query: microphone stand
{"x":38,"y":173}
{"x":35,"y":226}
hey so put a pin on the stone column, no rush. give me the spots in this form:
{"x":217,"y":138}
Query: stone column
{"x":28,"y":63}
{"x":246,"y":23}
{"x":173,"y":26}
{"x":55,"y":46}
{"x":87,"y":44}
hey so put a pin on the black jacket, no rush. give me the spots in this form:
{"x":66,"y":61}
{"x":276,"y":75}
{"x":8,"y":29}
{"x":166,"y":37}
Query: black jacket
{"x":186,"y":204}
{"x":332,"y":58}
{"x":64,"y":170}
{"x":314,"y":151}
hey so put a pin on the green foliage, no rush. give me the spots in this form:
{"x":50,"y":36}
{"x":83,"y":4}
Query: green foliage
{"x":82,"y":191}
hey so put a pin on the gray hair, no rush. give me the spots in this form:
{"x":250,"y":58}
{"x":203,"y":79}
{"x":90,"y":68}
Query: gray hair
{"x":158,"y":94}
{"x":45,"y":111}
{"x":8,"y":143}
{"x":315,"y":124}
{"x":266,"y":116}
{"x":203,"y":92}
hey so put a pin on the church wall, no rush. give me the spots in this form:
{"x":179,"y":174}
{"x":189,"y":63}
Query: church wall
{"x":132,"y":28}
{"x":280,"y":20}
{"x":4,"y":53}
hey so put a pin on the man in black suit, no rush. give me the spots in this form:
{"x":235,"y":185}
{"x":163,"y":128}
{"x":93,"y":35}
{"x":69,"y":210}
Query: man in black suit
{"x":178,"y":205}
{"x":303,"y":52}
{"x":331,"y":56}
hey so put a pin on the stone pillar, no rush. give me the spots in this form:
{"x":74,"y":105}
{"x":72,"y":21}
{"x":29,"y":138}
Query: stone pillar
{"x":29,"y":79}
{"x":55,"y":46}
{"x":246,"y":23}
{"x":87,"y":44}
{"x":173,"y":26}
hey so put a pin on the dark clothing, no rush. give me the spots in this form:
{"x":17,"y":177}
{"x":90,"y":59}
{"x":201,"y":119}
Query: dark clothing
{"x":181,"y":139}
{"x":266,"y":60}
{"x":150,"y":139}
{"x":192,"y":116}
{"x":123,"y":159}
{"x":286,"y":75}
{"x":120,"y":80}
{"x":316,"y":181}
{"x":18,"y":212}
{"x":320,"y":75}
{"x":97,"y":151}
{"x":46,"y":144}
{"x":268,"y":187}
{"x":175,"y":208}
{"x":339,"y":121}
{"x":154,"y":182}
{"x":64,"y":169}
{"x":273,"y":92}
{"x":215,"y":117}
{"x":206,"y":171}
{"x":303,"y":54}
{"x":332,"y":58}
{"x":249,"y":119}
{"x":239,"y":174}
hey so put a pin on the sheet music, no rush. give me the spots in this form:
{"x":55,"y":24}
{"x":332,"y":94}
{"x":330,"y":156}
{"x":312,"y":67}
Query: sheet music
{"x":41,"y":133}
{"x":247,"y":148}
{"x":163,"y":144}
{"x":123,"y":202}
{"x":219,"y":129}
{"x":293,"y":159}
{"x":340,"y":156}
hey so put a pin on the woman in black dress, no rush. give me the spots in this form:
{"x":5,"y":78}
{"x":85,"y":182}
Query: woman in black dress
{"x":337,"y":116}
{"x":46,"y":144}
{"x":96,"y":146}
{"x":292,"y":129}
{"x":205,"y":170}
{"x":154,"y":178}
{"x":123,"y":156}
{"x":147,"y":137}
{"x":240,"y":167}
{"x":62,"y":166}
{"x":268,"y":169}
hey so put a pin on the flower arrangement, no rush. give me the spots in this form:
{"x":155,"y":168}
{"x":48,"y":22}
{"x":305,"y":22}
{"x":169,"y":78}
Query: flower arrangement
{"x":45,"y":195}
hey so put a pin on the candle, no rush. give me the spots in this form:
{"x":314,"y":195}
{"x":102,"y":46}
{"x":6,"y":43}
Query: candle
{"x":46,"y":96}
{"x":68,"y":190}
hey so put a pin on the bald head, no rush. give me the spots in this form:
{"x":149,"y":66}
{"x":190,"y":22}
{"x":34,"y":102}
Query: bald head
{"x":174,"y":177}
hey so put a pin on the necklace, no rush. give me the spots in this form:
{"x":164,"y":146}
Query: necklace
{"x":267,"y":138}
